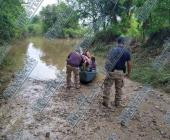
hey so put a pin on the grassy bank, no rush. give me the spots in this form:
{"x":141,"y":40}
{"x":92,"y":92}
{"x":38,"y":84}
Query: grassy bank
{"x":144,"y":72}
{"x":12,"y":62}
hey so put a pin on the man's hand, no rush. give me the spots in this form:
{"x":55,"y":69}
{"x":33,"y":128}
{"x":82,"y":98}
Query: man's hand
{"x":129,"y":64}
{"x":127,"y":76}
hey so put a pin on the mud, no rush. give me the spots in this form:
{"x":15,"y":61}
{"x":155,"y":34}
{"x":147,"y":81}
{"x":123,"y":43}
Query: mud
{"x":98,"y":123}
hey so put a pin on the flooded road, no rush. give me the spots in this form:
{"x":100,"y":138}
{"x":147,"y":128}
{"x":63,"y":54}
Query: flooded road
{"x":40,"y":108}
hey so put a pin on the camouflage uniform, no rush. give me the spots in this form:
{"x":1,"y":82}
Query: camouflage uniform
{"x":117,"y":77}
{"x":75,"y":70}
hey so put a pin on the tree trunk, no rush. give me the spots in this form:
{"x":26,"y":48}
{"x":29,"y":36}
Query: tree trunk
{"x":95,"y":26}
{"x":114,"y":19}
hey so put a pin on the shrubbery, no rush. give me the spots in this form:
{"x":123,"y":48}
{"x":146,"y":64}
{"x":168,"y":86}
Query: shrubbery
{"x":157,"y":39}
{"x":35,"y":29}
{"x":145,"y":73}
{"x":9,"y":13}
{"x":108,"y":35}
{"x":74,"y":33}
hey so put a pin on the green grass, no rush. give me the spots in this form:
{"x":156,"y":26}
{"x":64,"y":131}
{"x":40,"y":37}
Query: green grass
{"x":145,"y":73}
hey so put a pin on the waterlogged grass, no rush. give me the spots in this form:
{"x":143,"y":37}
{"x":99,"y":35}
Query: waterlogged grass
{"x":12,"y":62}
{"x":7,"y":72}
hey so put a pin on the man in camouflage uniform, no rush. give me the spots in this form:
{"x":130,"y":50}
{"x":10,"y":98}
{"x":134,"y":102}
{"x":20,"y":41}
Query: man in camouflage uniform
{"x":74,"y":60}
{"x":115,"y":68}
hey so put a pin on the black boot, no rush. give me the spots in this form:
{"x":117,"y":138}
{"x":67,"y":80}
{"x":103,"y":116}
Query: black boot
{"x":105,"y":104}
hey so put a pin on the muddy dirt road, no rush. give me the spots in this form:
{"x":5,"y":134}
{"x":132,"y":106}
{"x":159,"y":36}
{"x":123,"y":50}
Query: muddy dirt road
{"x":22,"y":121}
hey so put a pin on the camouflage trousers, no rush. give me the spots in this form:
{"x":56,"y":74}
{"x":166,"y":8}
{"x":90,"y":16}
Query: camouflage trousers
{"x":117,"y":78}
{"x":69,"y":70}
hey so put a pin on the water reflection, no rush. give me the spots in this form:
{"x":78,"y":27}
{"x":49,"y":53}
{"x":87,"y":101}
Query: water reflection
{"x":42,"y":71}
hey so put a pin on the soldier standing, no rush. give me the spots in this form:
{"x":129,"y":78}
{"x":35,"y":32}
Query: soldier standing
{"x":74,"y":61}
{"x":115,"y":67}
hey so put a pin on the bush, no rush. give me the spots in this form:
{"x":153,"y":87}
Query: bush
{"x":144,"y":72}
{"x":108,"y":35}
{"x":74,"y":33}
{"x":35,"y":29}
{"x":135,"y":29}
{"x":156,"y":40}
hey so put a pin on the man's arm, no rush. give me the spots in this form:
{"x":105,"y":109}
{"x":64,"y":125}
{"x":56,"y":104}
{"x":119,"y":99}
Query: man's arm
{"x":69,"y":56}
{"x":82,"y":60}
{"x":129,"y":66}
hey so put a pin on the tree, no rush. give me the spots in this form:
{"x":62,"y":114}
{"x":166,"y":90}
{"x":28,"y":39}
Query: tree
{"x":59,"y":17}
{"x":9,"y":13}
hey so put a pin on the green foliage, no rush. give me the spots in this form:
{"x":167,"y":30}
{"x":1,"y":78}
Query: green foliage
{"x":135,"y":28}
{"x":156,"y":39}
{"x":108,"y":35}
{"x":9,"y":13}
{"x":59,"y":16}
{"x":74,"y":33}
{"x":144,"y":72}
{"x":156,"y":18}
{"x":102,"y":49}
{"x":159,"y":18}
{"x":36,"y":19}
{"x":35,"y":29}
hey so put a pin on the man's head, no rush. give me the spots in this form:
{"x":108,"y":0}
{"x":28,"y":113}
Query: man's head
{"x":121,"y":40}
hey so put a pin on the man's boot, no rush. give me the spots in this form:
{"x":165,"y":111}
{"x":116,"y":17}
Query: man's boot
{"x":105,"y":101}
{"x":105,"y":104}
{"x":118,"y":104}
{"x":108,"y":106}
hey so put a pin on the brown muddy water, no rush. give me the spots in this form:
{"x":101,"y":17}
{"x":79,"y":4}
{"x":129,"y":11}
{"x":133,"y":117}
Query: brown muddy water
{"x":50,"y":55}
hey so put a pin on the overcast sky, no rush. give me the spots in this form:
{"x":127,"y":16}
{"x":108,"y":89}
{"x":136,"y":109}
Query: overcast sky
{"x":45,"y":3}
